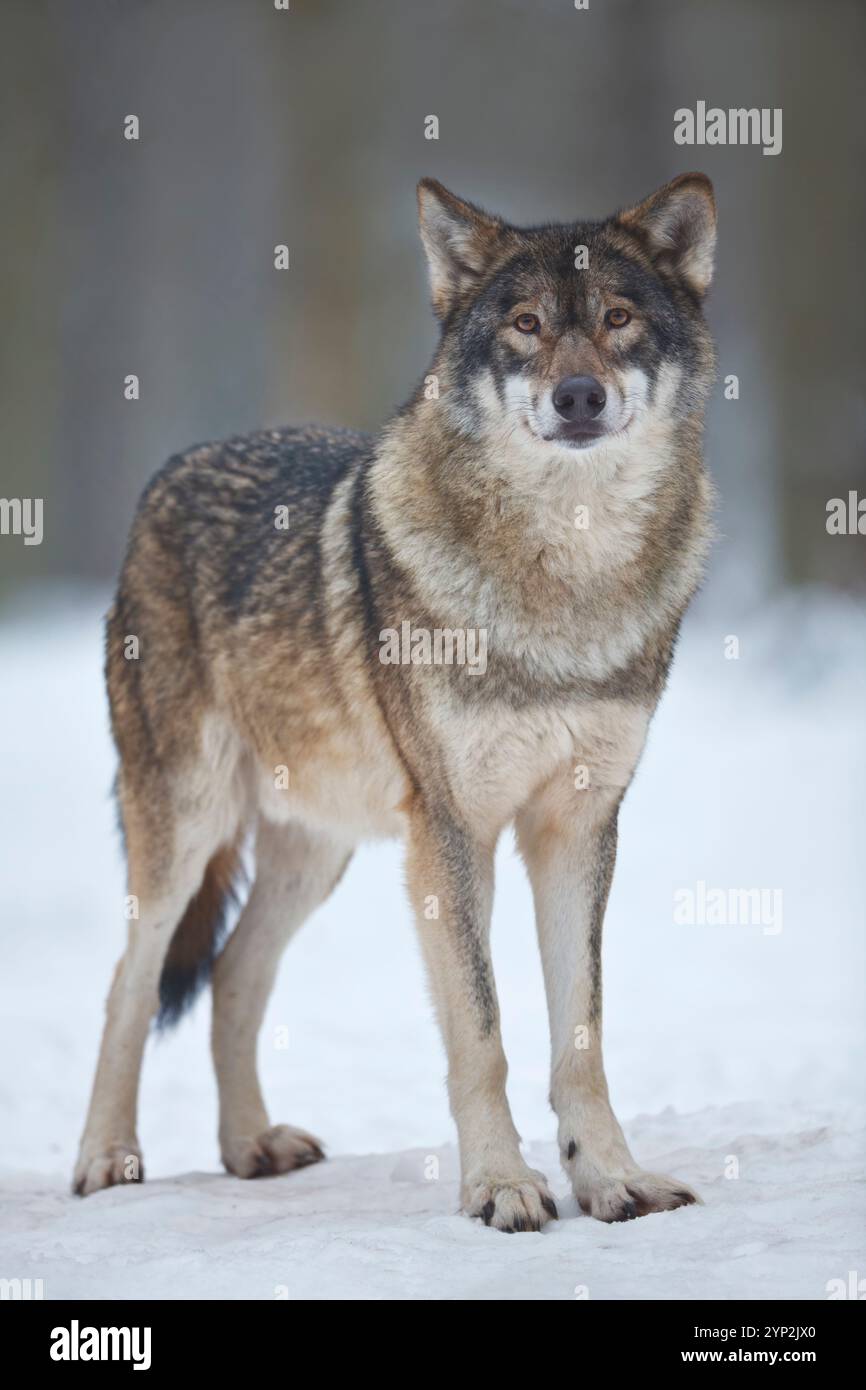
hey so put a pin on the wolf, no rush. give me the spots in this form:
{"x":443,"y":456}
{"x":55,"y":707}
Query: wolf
{"x":544,"y":485}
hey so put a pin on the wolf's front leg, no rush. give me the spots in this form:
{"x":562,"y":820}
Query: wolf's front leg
{"x":451,"y":886}
{"x":568,"y":839}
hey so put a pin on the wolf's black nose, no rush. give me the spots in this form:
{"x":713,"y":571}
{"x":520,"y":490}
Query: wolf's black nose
{"x":579,"y":398}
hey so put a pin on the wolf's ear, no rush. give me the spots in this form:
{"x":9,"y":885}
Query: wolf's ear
{"x":678,"y":224}
{"x":460,"y":241}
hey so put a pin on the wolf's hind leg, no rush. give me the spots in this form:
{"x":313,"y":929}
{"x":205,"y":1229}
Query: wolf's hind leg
{"x":296,"y":869}
{"x":171,"y":857}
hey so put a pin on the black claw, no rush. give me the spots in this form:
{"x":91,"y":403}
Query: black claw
{"x":550,"y":1207}
{"x":629,"y":1211}
{"x":311,"y":1156}
{"x":487,"y":1212}
{"x":572,"y":1149}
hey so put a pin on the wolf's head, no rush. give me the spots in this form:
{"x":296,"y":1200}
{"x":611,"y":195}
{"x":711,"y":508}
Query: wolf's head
{"x":565,"y":338}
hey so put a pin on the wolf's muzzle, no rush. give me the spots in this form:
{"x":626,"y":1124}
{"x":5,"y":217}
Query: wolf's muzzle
{"x":579,"y":399}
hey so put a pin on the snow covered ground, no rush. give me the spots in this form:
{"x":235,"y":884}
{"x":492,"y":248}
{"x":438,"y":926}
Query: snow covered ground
{"x":734,"y":1052}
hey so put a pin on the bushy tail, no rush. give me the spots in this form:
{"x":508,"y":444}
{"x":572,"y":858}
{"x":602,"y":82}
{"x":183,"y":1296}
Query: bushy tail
{"x":199,"y":935}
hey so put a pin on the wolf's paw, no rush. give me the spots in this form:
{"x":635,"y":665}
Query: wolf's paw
{"x":277,"y":1150}
{"x":106,"y":1165}
{"x":522,"y":1203}
{"x":622,"y":1198}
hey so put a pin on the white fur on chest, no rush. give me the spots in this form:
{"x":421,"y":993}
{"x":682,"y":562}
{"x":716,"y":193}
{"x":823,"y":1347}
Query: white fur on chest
{"x":565,"y":605}
{"x":496,"y":760}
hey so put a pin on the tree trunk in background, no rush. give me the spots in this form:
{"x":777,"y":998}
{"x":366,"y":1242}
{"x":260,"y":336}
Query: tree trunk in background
{"x":34,"y":267}
{"x":816,"y":289}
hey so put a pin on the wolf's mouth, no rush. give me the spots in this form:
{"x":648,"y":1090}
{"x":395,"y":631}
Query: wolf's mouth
{"x":581,"y":436}
{"x":577,"y":436}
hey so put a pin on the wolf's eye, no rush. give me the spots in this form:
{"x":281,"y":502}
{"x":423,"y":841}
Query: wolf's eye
{"x":617,"y":318}
{"x":527,"y":323}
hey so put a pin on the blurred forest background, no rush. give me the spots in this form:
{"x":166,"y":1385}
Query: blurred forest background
{"x":307,"y":127}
